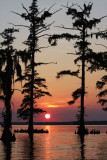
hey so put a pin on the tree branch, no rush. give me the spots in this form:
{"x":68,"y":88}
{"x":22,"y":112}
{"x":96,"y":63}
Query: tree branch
{"x":103,"y":17}
{"x":101,"y":45}
{"x":41,"y":63}
{"x":25,"y":8}
{"x":65,"y":27}
{"x":43,"y":35}
{"x":42,"y":31}
{"x":41,"y":11}
{"x":68,"y":72}
{"x":16,"y":13}
{"x":70,"y":6}
{"x":43,"y":47}
{"x":79,"y":7}
{"x":72,"y":54}
{"x":44,"y":28}
{"x":20,"y":25}
{"x":50,"y":24}
{"x":57,"y":11}
{"x":51,"y":6}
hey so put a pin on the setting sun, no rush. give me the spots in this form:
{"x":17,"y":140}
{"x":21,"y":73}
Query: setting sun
{"x":47,"y":116}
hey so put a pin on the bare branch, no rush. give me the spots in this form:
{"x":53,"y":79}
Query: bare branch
{"x":65,"y":27}
{"x":44,"y":47}
{"x":20,"y":25}
{"x":67,"y":4}
{"x":72,"y":53}
{"x":99,"y":31}
{"x":41,"y":28}
{"x":103,"y":17}
{"x":43,"y":35}
{"x":38,"y":49}
{"x":64,"y":6}
{"x":53,"y":63}
{"x":79,"y":7}
{"x":57,"y":11}
{"x":40,"y":11}
{"x":41,"y":63}
{"x":70,"y":6}
{"x":50,"y":24}
{"x":52,"y":6}
{"x":79,"y":77}
{"x":42,"y":31}
{"x":16,"y":13}
{"x":101,"y":45}
{"x":73,"y":4}
{"x":90,"y":3}
{"x":25,"y":8}
{"x":44,"y":28}
{"x":79,"y":29}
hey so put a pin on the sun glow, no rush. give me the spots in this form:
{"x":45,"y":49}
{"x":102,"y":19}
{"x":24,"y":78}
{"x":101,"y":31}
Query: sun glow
{"x":47,"y":116}
{"x":52,"y":106}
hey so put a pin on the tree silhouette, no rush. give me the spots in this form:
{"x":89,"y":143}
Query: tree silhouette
{"x":103,"y":82}
{"x":99,"y":62}
{"x":83,"y":25}
{"x":32,"y":88}
{"x":100,"y":84}
{"x":9,"y":64}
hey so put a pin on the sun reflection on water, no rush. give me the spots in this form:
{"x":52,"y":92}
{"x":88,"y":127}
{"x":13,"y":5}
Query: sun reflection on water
{"x":59,"y":143}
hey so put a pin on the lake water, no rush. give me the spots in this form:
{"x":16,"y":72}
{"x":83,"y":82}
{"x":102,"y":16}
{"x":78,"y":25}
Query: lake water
{"x":59,"y":144}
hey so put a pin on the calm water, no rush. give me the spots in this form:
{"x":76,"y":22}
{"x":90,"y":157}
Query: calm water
{"x":59,"y":144}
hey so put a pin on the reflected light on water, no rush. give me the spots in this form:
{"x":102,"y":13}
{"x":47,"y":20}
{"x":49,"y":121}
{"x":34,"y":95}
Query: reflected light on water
{"x":47,"y":144}
{"x":47,"y":128}
{"x":59,"y":144}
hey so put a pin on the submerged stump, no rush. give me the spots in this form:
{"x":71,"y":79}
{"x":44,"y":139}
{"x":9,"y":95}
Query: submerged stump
{"x":8,"y":136}
{"x":82,"y":131}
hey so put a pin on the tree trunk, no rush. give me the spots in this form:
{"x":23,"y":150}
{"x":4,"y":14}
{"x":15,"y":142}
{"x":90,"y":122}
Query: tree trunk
{"x":30,"y":128}
{"x":7,"y":133}
{"x":81,"y":129}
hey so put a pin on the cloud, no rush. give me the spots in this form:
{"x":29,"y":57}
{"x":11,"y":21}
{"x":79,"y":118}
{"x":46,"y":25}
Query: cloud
{"x":52,"y":106}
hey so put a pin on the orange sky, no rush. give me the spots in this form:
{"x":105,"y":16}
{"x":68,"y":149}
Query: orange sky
{"x":60,"y":89}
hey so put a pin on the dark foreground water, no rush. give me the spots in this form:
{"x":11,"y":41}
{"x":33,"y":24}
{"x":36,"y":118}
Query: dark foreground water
{"x":59,"y":144}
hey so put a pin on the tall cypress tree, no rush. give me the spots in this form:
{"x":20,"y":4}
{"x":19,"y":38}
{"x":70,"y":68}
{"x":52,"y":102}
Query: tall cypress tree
{"x":9,"y":64}
{"x":99,"y":62}
{"x":33,"y":84}
{"x":83,"y":25}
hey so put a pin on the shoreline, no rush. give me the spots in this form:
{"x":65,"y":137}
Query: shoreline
{"x":60,"y":123}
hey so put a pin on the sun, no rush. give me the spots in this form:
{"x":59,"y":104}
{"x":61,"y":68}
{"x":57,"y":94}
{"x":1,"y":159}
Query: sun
{"x":47,"y":116}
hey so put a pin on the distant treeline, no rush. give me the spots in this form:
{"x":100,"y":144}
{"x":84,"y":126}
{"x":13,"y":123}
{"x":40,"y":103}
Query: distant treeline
{"x":60,"y":123}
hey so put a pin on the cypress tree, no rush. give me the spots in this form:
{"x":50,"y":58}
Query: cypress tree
{"x":9,"y":64}
{"x":32,"y":88}
{"x":83,"y":25}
